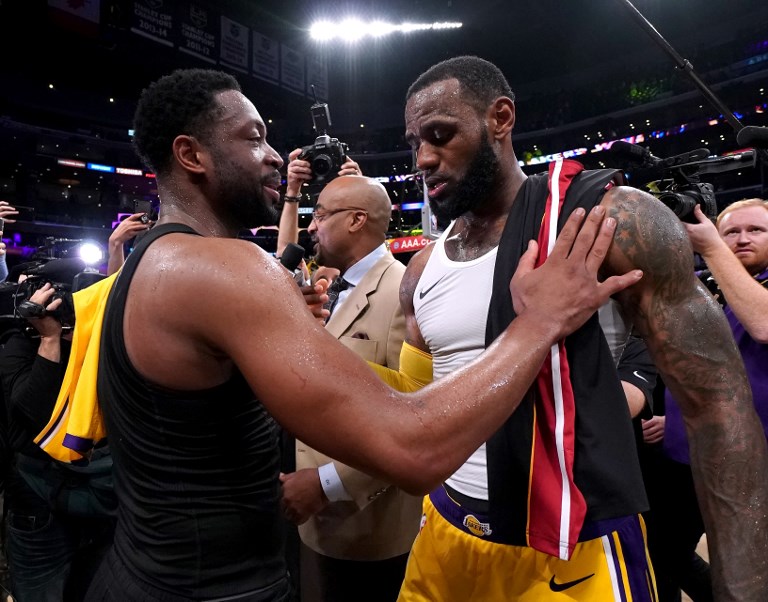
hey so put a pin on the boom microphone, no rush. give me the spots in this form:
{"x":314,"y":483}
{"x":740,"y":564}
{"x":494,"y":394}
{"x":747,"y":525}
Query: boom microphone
{"x":291,"y":258}
{"x":688,"y":157}
{"x":752,"y":135}
{"x":635,"y":153}
{"x":61,"y":270}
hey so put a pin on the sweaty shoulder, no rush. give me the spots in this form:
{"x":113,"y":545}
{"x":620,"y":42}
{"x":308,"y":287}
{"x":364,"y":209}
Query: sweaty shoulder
{"x":649,"y":236}
{"x":185,"y":292}
{"x":198,"y":262}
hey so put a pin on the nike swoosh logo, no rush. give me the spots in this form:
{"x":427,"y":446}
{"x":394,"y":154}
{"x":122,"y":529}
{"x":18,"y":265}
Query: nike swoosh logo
{"x":561,"y":587}
{"x":423,"y":293}
{"x":640,"y":376}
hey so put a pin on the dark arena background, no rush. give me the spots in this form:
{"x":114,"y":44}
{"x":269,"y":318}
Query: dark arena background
{"x":585,"y":73}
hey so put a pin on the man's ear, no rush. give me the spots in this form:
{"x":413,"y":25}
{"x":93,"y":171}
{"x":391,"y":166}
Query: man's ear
{"x":188,"y":153}
{"x":501,"y":117}
{"x":358,"y":221}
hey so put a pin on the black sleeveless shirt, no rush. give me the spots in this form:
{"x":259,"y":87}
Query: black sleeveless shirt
{"x":196,"y":472}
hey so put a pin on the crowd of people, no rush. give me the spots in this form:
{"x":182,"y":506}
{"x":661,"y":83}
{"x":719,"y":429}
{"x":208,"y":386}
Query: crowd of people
{"x":58,"y":519}
{"x":465,"y":427}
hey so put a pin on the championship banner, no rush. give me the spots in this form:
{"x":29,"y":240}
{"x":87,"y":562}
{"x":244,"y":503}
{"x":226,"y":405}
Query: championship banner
{"x":266,"y":58}
{"x":153,"y":19}
{"x":292,"y":69}
{"x":234,"y":45}
{"x":198,"y":34}
{"x":317,"y":76}
{"x":407,"y":243}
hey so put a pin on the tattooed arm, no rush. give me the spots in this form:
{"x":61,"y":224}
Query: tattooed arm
{"x":693,"y":348}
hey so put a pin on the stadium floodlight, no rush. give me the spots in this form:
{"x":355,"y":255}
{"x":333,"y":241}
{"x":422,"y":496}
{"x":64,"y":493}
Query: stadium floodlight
{"x":354,"y":29}
{"x":322,"y":31}
{"x":379,"y":29}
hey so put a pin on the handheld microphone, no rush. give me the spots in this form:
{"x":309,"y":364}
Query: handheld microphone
{"x":752,"y":135}
{"x":291,"y":258}
{"x":635,"y":153}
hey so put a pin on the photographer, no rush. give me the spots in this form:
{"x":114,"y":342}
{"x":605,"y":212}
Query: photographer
{"x":299,"y":172}
{"x":735,"y":250}
{"x":131,"y":227}
{"x":54,"y":538}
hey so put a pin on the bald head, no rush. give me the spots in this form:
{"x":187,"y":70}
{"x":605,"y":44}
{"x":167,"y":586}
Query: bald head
{"x":364,"y":193}
{"x":353,"y":214}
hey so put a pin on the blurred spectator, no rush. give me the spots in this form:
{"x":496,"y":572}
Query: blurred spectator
{"x":6,"y":210}
{"x":58,"y":523}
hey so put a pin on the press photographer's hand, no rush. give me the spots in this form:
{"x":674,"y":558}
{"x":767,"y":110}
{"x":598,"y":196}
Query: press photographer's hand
{"x":350,"y":168}
{"x":703,"y":233}
{"x":298,"y":172}
{"x":6,"y":210}
{"x":129,"y":228}
{"x":46,"y":325}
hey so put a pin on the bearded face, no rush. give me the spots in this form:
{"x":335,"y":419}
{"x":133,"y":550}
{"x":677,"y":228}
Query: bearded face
{"x":474,"y":189}
{"x":242,"y":194}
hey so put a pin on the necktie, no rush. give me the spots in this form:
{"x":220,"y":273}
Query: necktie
{"x":334,"y":290}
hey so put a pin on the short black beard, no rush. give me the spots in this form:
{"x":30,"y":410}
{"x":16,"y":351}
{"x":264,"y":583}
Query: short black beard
{"x":242,"y":198}
{"x":473,"y":190}
{"x":250,"y":208}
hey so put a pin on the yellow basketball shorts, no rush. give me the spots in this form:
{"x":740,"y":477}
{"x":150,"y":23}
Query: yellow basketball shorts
{"x":448,"y":564}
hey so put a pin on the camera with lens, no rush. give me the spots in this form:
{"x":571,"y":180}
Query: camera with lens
{"x":326,"y":155}
{"x":64,"y":313}
{"x":683,"y":196}
{"x":680,"y":187}
{"x":66,"y":275}
{"x":684,"y":189}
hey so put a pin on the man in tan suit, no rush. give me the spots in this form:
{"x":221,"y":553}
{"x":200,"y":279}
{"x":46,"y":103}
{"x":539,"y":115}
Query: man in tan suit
{"x":358,"y":529}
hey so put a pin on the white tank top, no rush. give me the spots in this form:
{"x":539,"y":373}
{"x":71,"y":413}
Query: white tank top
{"x":451,"y":308}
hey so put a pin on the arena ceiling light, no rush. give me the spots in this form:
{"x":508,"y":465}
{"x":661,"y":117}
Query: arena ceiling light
{"x":352,"y":29}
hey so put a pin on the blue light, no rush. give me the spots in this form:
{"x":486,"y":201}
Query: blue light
{"x":98,"y":167}
{"x":411,"y":206}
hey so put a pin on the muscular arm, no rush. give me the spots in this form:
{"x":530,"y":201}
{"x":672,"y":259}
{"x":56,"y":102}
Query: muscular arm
{"x":693,"y":348}
{"x":309,"y":381}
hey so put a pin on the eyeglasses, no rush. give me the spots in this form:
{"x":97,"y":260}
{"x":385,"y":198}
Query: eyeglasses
{"x":319,"y":218}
